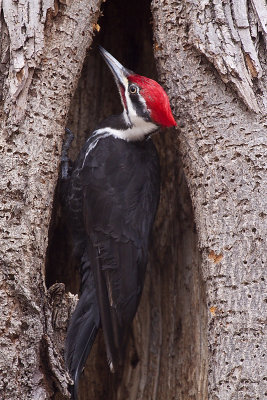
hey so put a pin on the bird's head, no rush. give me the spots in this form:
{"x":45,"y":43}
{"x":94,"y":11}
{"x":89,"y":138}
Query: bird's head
{"x":145,"y":103}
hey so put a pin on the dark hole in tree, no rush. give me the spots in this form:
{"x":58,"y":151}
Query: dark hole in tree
{"x":164,"y":357}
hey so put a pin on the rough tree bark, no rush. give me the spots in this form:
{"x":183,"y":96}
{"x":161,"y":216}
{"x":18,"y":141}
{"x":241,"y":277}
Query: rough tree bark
{"x":202,"y":313}
{"x":43,"y":45}
{"x":223,"y":147}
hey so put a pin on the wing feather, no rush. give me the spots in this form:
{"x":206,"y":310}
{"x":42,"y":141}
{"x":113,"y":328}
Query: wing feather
{"x":120,"y":201}
{"x":84,"y":325}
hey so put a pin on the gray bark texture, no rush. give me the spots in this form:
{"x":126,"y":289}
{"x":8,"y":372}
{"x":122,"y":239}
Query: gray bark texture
{"x":43,"y":45}
{"x":200,"y":331}
{"x":223,"y":148}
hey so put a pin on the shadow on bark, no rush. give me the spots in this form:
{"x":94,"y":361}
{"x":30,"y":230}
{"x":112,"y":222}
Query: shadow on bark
{"x":167,"y":351}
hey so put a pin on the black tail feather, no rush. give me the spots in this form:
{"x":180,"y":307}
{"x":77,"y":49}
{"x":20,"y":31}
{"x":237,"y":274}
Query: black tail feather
{"x":83,"y":328}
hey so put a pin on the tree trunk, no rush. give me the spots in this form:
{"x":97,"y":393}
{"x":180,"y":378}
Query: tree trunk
{"x":223,"y":147}
{"x":43,"y":45}
{"x":201,"y":316}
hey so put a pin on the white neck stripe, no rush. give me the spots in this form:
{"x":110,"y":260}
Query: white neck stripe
{"x":137,"y":131}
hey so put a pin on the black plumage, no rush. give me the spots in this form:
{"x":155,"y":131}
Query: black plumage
{"x":111,"y":201}
{"x":111,"y":198}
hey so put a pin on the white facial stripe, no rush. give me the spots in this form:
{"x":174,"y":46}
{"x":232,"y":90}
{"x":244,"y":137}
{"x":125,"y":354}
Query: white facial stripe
{"x":138,"y":127}
{"x":141,"y":99}
{"x":131,"y":110}
{"x":137,"y":131}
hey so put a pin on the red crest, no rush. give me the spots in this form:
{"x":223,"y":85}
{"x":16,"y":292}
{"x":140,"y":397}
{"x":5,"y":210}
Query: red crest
{"x":156,"y":99}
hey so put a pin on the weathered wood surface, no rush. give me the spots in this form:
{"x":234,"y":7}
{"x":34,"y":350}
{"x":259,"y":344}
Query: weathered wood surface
{"x":43,"y":45}
{"x":223,"y":147}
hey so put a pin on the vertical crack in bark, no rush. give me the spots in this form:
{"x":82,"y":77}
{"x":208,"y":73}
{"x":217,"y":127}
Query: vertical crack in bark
{"x":4,"y":59}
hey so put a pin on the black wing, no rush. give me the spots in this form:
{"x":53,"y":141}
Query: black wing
{"x":83,"y":327}
{"x":121,"y":192}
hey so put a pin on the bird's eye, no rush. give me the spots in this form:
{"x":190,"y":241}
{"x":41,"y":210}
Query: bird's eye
{"x":133,"y":89}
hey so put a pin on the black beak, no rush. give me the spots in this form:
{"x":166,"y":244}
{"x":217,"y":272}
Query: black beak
{"x":119,"y":72}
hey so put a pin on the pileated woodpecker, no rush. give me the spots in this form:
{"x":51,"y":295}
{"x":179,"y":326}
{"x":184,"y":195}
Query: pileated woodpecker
{"x":111,"y":198}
